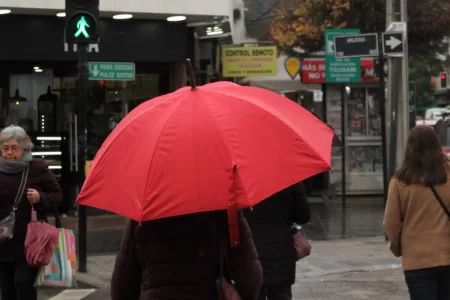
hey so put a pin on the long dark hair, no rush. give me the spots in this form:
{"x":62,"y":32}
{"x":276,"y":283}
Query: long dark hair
{"x":424,"y":161}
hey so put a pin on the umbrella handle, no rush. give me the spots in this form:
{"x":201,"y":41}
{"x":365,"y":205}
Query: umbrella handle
{"x":191,"y":74}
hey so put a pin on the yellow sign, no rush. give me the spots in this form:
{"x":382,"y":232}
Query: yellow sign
{"x":87,"y":166}
{"x":292,"y":65}
{"x":249,"y":61}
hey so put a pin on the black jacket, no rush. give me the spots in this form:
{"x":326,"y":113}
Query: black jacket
{"x":179,"y":258}
{"x":271,"y":222}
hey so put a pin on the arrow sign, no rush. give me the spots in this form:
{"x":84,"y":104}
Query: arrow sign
{"x":95,"y":71}
{"x":393,"y":43}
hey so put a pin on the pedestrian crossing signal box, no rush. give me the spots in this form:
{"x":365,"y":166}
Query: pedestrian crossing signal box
{"x":443,"y":77}
{"x":82,"y":21}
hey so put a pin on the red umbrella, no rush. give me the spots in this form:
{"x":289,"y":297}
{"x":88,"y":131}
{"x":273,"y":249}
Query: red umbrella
{"x":204,"y":149}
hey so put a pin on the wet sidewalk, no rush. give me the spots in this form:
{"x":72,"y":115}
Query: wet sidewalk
{"x":379,"y":285}
{"x":360,"y":217}
{"x":328,"y":257}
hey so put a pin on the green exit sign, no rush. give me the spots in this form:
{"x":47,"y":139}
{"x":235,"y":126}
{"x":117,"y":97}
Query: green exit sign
{"x":120,"y":71}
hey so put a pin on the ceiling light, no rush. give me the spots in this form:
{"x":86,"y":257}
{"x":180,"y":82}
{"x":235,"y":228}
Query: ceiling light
{"x":5,"y":11}
{"x":122,"y":16}
{"x":214,"y":30}
{"x":61,"y":14}
{"x":38,"y":70}
{"x":176,"y":18}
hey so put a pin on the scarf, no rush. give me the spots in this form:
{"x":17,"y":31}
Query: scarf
{"x":12,"y":167}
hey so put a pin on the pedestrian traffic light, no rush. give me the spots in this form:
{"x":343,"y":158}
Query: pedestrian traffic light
{"x":443,"y":77}
{"x":82,"y":21}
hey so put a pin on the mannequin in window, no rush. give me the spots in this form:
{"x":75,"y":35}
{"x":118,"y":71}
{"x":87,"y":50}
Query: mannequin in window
{"x":18,"y":111}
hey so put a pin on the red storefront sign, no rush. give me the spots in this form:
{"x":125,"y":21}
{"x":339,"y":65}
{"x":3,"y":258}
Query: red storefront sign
{"x":313,"y":71}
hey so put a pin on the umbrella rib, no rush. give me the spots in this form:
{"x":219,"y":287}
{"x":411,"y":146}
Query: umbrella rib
{"x":234,"y":165}
{"x":280,"y":119}
{"x":156,"y":146}
{"x":121,"y":130}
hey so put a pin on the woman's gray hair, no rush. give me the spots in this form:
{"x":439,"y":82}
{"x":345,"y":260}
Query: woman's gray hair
{"x":17,"y":133}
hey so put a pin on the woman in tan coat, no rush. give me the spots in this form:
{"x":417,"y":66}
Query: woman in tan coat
{"x":415,"y":222}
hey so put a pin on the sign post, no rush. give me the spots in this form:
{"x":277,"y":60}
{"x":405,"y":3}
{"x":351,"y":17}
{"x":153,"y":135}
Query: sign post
{"x":340,"y":70}
{"x":81,"y":29}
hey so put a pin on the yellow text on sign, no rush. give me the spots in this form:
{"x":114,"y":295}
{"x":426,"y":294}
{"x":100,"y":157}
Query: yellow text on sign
{"x":249,"y":61}
{"x":87,"y":167}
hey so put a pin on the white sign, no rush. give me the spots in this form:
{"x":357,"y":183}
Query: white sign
{"x":398,"y":26}
{"x":393,"y":43}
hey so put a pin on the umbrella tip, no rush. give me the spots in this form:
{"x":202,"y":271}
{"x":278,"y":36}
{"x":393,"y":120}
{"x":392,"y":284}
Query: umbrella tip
{"x":191,"y":74}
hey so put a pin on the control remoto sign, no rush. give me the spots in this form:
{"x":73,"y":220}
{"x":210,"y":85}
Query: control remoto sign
{"x":120,"y":71}
{"x":243,"y":61}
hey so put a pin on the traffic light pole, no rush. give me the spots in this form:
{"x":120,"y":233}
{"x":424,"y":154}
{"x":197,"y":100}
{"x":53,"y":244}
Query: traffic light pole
{"x":383,"y":103}
{"x":83,"y":77}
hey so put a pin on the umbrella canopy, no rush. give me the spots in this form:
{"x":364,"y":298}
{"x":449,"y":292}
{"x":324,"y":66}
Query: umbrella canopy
{"x":198,"y":150}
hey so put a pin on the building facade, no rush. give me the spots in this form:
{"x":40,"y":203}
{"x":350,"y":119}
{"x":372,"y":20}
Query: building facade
{"x":38,"y":70}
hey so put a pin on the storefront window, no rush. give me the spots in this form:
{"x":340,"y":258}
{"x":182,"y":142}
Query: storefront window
{"x":374,"y":116}
{"x":108,"y":103}
{"x":364,"y":159}
{"x":357,"y":114}
{"x":364,"y":151}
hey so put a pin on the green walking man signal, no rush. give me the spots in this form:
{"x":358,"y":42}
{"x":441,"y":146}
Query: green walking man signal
{"x":81,"y":25}
{"x":82,"y":21}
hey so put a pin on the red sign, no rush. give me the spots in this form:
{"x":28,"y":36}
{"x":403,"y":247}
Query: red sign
{"x":313,"y":71}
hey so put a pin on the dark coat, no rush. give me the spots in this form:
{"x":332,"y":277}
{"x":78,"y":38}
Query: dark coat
{"x":39,"y":178}
{"x":271,"y":222}
{"x":178,"y":258}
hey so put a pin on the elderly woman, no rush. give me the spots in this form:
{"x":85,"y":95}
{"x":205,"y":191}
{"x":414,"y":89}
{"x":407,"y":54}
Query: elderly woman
{"x":41,"y":190}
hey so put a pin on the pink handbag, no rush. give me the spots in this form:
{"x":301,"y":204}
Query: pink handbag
{"x":40,"y":241}
{"x":301,"y":244}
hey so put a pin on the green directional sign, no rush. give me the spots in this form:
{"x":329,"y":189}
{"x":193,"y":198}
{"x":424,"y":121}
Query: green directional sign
{"x":340,"y":70}
{"x":112,"y":71}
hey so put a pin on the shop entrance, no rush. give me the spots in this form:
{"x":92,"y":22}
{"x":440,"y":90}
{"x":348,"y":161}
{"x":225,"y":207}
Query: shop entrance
{"x":42,"y":98}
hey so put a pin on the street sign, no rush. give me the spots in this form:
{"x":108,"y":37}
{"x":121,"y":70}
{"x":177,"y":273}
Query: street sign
{"x":340,"y":70}
{"x":398,"y":26}
{"x":122,"y":71}
{"x":393,"y":43}
{"x":358,"y":45}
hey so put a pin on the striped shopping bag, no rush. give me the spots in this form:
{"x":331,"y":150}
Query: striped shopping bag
{"x":61,"y":270}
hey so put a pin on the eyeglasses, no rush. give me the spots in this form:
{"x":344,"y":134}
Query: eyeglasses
{"x":12,"y":148}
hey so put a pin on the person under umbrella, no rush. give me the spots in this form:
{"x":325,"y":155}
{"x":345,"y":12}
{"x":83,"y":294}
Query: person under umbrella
{"x":271,"y":222}
{"x":199,"y":152}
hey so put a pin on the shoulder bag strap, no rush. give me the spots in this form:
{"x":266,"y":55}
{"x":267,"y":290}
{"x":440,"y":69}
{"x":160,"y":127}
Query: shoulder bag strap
{"x":447,"y":211}
{"x":222,"y":258}
{"x":23,"y":183}
{"x":224,"y":261}
{"x":57,"y":217}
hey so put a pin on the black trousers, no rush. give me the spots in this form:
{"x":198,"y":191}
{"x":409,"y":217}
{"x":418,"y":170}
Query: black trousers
{"x":17,"y":281}
{"x":429,"y":284}
{"x":275,"y":292}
